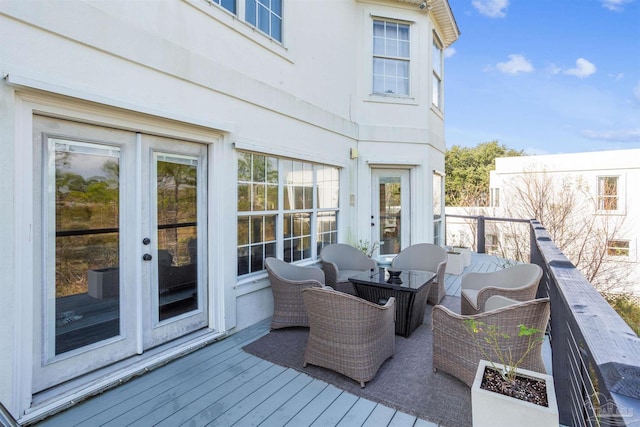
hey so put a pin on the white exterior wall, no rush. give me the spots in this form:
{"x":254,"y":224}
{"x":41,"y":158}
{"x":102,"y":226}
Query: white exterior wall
{"x":587,"y":167}
{"x":191,"y":70}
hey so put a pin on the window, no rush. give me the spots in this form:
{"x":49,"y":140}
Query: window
{"x":286,"y":209}
{"x":437,"y":208}
{"x":607,"y":193}
{"x":266,"y":15}
{"x":618,"y":248}
{"x":437,"y":73}
{"x":390,"y":58}
{"x":230,"y":5}
{"x":494,"y":197}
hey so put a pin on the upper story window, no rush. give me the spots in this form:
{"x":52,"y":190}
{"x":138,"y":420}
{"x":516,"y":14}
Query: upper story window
{"x":230,"y":5}
{"x":391,"y":49}
{"x":286,"y":209}
{"x":618,"y":248}
{"x":436,"y":99}
{"x":266,"y":15}
{"x":608,"y":193}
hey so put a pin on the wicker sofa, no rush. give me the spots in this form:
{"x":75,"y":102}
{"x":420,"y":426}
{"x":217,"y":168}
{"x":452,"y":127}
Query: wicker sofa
{"x":348,"y":334}
{"x":454,"y":351}
{"x":287,"y":282}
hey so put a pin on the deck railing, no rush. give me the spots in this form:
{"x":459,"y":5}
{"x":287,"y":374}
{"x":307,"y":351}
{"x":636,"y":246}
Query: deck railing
{"x":596,"y":355}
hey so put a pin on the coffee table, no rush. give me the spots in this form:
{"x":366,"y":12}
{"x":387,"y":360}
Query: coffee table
{"x":411,"y":294}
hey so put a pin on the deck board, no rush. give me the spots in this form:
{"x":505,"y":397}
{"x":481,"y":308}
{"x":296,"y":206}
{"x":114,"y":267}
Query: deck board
{"x":221,"y":385}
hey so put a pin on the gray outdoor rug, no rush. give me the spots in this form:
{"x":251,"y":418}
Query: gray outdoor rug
{"x":406,"y":382}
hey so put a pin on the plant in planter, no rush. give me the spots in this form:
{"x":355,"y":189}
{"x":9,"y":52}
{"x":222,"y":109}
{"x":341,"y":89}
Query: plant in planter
{"x":365,"y":247}
{"x":502,"y":392}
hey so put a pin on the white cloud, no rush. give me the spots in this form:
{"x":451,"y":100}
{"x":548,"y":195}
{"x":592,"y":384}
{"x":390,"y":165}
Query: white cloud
{"x":636,"y":91}
{"x":583,"y":69}
{"x":553,"y":69}
{"x":615,"y":5}
{"x":449,"y":52}
{"x":622,"y":135}
{"x":516,"y":64}
{"x":493,"y":8}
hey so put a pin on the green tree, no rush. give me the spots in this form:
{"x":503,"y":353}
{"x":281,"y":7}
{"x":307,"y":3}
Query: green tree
{"x":467,"y":169}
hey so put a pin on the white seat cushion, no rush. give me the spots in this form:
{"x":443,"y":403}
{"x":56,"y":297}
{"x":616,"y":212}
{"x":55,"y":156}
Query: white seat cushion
{"x":471,"y":295}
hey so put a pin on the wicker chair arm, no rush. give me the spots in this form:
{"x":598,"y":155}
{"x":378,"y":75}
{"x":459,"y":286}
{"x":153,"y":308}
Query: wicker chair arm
{"x":330,"y":273}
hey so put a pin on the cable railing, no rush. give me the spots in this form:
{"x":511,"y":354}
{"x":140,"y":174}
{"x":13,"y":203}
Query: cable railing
{"x":596,"y":355}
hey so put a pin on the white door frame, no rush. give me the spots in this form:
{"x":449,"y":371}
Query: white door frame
{"x":27,"y":103}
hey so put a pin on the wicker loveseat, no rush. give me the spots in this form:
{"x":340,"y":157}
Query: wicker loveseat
{"x":455,"y":352}
{"x":348,"y":334}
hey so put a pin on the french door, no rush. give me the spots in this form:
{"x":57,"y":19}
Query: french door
{"x":123,"y":246}
{"x":391,"y":209}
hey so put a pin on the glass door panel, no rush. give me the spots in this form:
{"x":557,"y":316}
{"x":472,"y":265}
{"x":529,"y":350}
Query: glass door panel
{"x":87,"y":240}
{"x":390,"y":210}
{"x":174,"y":221}
{"x":177,"y":183}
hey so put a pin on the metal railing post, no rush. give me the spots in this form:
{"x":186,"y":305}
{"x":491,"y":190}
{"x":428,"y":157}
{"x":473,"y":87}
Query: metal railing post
{"x":481,"y":242}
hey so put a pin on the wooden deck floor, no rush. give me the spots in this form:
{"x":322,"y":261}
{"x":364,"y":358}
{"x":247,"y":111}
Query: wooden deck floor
{"x":221,"y":385}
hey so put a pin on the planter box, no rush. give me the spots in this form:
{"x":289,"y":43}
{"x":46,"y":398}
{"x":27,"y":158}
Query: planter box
{"x":494,"y":409}
{"x":466,"y":254}
{"x":455,"y":263}
{"x":104,"y":282}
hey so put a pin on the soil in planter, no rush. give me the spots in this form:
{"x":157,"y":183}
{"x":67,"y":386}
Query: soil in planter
{"x":532,"y":390}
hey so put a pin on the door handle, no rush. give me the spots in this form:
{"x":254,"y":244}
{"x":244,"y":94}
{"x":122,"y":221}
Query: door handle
{"x":147,"y":257}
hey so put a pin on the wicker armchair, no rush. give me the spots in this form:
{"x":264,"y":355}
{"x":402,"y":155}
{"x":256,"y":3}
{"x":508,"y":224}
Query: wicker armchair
{"x":348,"y":334}
{"x":287,"y":283}
{"x":340,"y":261}
{"x":426,"y":257}
{"x":519,"y":282}
{"x":454,"y":351}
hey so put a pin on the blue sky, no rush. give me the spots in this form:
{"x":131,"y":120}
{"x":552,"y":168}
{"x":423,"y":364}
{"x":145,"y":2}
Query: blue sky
{"x":544,"y":76}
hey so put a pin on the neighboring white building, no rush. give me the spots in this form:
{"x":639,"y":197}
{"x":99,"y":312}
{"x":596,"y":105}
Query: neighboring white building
{"x":154,"y":153}
{"x":591,"y":194}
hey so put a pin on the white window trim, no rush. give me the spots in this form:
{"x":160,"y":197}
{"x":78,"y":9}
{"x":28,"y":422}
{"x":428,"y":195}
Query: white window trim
{"x":438,"y":41}
{"x":621,"y":194}
{"x":254,"y":280}
{"x":412,"y":97}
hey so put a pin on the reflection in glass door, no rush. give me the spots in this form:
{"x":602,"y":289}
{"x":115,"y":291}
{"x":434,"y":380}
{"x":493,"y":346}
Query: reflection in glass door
{"x":390,"y":210}
{"x":173,"y":226}
{"x":87,"y":238}
{"x":177,"y":207}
